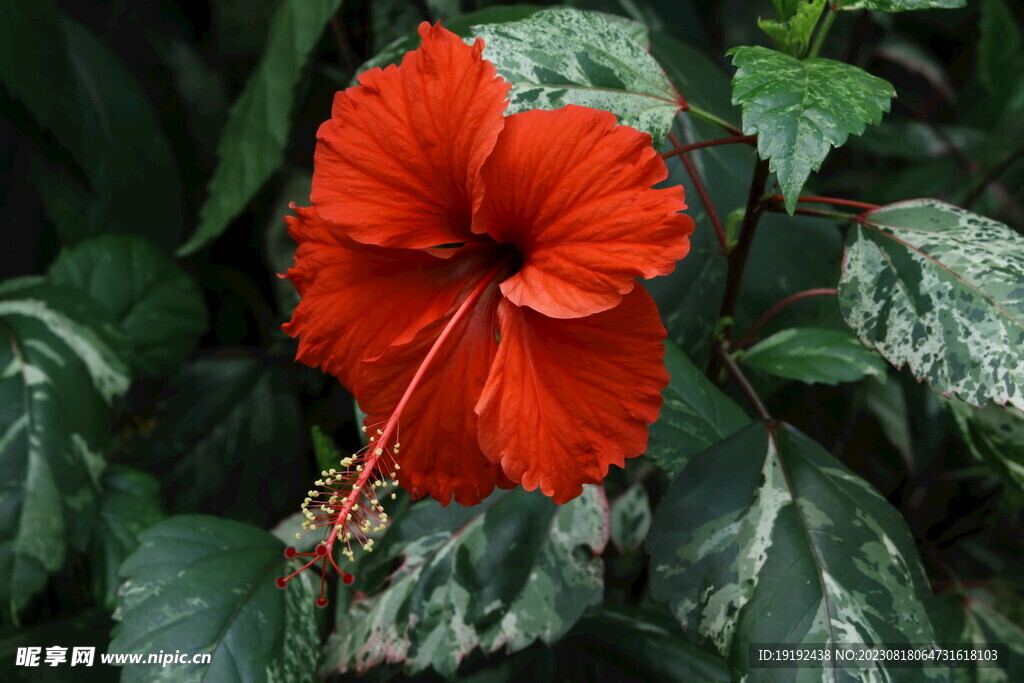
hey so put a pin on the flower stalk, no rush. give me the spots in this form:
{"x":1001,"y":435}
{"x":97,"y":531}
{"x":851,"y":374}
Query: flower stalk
{"x":346,"y":502}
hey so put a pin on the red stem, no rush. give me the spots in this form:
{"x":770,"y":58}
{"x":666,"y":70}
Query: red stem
{"x":831,"y":215}
{"x":779,"y":307}
{"x":834,"y":201}
{"x":705,"y":198}
{"x":735,"y":139}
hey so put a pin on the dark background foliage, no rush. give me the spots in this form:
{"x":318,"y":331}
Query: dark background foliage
{"x":222,"y":424}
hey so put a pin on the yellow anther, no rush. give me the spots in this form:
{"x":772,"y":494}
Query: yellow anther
{"x":379,"y":432}
{"x":379,"y":451}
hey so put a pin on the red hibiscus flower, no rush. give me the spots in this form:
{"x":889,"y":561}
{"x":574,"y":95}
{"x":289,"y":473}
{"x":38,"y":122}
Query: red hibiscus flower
{"x":470,"y":277}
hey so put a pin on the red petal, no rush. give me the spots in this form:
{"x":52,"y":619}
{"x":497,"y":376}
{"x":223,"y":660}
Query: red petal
{"x":439,"y":453}
{"x":357,"y":300}
{"x":567,"y":398}
{"x":572,"y":191}
{"x":398,"y":163}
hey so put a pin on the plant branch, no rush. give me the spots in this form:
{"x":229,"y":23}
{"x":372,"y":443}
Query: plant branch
{"x":781,"y":306}
{"x":741,"y":379}
{"x":991,"y":176}
{"x":834,"y":201}
{"x":738,"y":257}
{"x":823,"y":28}
{"x":736,"y":139}
{"x":705,"y":198}
{"x":699,"y":113}
{"x":834,"y":215}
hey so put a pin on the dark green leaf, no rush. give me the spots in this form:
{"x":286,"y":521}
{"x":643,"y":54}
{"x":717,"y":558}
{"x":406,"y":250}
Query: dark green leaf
{"x":33,"y":33}
{"x":888,"y":403}
{"x":814,"y":355}
{"x":800,"y":109}
{"x":501,"y":574}
{"x":198,"y":84}
{"x":942,"y":290}
{"x":252,"y":145}
{"x":86,"y":628}
{"x":131,"y":170}
{"x":60,"y":371}
{"x":901,"y":5}
{"x":995,"y":436}
{"x":563,"y":56}
{"x":981,"y":617}
{"x":1000,"y":51}
{"x":155,"y":303}
{"x":327,"y":454}
{"x":766,"y":538}
{"x":630,"y":519}
{"x":634,"y":644}
{"x":694,"y":416}
{"x":129,"y":504}
{"x":916,"y":141}
{"x":278,"y":246}
{"x":241,"y":26}
{"x":201,"y":585}
{"x":223,"y":424}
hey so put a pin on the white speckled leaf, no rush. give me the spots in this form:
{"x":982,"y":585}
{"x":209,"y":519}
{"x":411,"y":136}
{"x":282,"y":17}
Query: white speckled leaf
{"x":901,"y":5}
{"x":942,"y":290}
{"x":200,"y":584}
{"x":800,"y":109}
{"x":815,"y":355}
{"x":61,"y":369}
{"x":765,"y":538}
{"x":630,"y":519}
{"x":565,"y":56}
{"x":500,"y":574}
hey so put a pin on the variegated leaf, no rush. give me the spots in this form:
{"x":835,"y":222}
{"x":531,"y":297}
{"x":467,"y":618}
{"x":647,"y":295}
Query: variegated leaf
{"x":765,"y":538}
{"x":900,"y":5}
{"x":514,"y":569}
{"x":800,"y":109}
{"x":565,"y":56}
{"x":942,"y":290}
{"x":61,"y":369}
{"x":630,"y":518}
{"x":205,"y":585}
